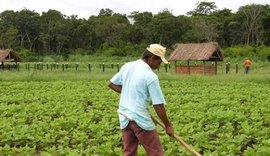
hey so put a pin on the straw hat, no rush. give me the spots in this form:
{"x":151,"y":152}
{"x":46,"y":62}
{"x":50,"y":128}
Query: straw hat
{"x":158,"y":50}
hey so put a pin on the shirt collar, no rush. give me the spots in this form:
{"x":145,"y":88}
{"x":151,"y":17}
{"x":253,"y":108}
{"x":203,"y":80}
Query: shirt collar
{"x":144,"y":64}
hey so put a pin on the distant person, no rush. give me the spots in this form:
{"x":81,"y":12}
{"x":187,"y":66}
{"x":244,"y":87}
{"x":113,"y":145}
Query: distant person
{"x":139,"y":85}
{"x":247,"y":65}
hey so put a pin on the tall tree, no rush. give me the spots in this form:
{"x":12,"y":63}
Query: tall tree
{"x":266,"y":24}
{"x":105,"y":12}
{"x":167,"y":29}
{"x":52,"y":35}
{"x":28,"y":25}
{"x":234,"y":33}
{"x":10,"y":38}
{"x":203,"y":8}
{"x":251,"y":18}
{"x":224,"y":20}
{"x":110,"y":28}
{"x":204,"y":27}
{"x":8,"y":30}
{"x":79,"y":37}
{"x":139,"y":31}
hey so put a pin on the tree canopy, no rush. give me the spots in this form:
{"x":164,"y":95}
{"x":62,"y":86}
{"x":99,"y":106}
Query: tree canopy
{"x":110,"y":33}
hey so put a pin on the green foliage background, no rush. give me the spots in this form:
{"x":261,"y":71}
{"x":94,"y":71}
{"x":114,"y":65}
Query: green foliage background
{"x":34,"y":36}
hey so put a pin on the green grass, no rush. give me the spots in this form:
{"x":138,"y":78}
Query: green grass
{"x":260,"y":72}
{"x":99,"y":75}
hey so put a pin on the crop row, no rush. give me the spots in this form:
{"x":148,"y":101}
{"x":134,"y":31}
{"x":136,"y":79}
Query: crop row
{"x":80,"y":118}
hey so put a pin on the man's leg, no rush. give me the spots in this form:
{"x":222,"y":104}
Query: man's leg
{"x":130,"y":141}
{"x":149,"y":140}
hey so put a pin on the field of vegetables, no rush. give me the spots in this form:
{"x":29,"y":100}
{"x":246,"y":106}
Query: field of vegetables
{"x":78,"y":116}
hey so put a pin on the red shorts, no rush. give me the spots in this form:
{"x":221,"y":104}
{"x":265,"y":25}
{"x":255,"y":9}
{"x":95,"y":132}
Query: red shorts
{"x":134,"y":135}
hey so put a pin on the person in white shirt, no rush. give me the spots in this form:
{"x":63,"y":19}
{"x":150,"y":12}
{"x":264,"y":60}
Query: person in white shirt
{"x":138,"y":85}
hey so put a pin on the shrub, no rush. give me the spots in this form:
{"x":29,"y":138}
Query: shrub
{"x":48,"y":59}
{"x":79,"y":58}
{"x":26,"y":55}
{"x":263,"y":53}
{"x":239,"y":51}
{"x":79,"y":51}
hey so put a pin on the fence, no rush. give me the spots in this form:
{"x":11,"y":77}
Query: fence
{"x":115,"y":67}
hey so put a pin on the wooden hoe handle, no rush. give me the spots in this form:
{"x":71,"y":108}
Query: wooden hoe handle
{"x":179,"y":139}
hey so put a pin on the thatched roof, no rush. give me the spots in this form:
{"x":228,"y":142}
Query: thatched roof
{"x":8,"y":55}
{"x":197,"y":52}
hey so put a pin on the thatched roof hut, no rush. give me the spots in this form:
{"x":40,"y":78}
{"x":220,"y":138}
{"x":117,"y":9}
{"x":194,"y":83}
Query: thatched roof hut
{"x":210,"y":51}
{"x":197,"y":52}
{"x":8,"y":55}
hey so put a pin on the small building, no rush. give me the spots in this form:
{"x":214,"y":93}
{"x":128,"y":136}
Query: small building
{"x":8,"y":55}
{"x":203,"y":55}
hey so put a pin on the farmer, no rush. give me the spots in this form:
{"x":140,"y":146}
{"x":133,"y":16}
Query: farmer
{"x":247,"y":65}
{"x":138,"y":84}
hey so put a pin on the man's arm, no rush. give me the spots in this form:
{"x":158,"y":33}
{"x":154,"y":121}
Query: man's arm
{"x":116,"y":88}
{"x":161,"y":112}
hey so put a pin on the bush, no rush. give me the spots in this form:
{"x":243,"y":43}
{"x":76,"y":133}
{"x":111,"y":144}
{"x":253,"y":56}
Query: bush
{"x":110,"y":51}
{"x":128,"y":50}
{"x":79,"y":58}
{"x":79,"y":51}
{"x":48,"y":59}
{"x":27,"y":55}
{"x":53,"y":58}
{"x":263,"y":53}
{"x":106,"y":50}
{"x":239,"y":51}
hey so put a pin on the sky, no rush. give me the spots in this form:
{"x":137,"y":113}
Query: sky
{"x":87,"y":8}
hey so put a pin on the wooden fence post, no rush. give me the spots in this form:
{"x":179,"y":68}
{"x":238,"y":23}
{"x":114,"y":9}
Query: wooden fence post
{"x":63,"y":67}
{"x":236,"y":68}
{"x":89,"y":67}
{"x":117,"y":67}
{"x":227,"y":67}
{"x":18,"y":66}
{"x":76,"y":66}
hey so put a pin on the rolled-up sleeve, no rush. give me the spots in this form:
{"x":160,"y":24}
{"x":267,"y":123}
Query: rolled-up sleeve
{"x":116,"y":79}
{"x":155,"y":92}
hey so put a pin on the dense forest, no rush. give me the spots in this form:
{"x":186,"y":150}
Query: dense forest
{"x":114,"y":34}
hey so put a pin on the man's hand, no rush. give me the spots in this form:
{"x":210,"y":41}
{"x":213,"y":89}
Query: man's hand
{"x":169,"y":130}
{"x":161,"y":112}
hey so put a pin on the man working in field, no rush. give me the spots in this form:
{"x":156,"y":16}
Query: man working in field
{"x":247,"y":65}
{"x":138,"y":84}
